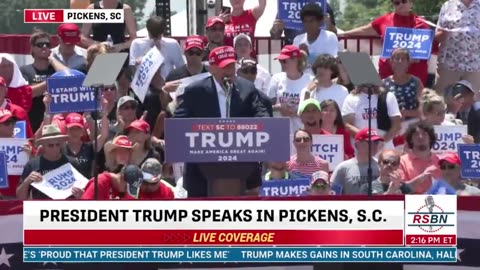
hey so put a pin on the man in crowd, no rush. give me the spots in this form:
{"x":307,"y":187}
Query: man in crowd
{"x":215,"y":31}
{"x":320,"y":184}
{"x":452,"y":183}
{"x":463,"y":92}
{"x":51,"y":158}
{"x":420,"y":165}
{"x":243,"y":49}
{"x":208,"y":98}
{"x":153,"y":186}
{"x":389,"y":181}
{"x":43,"y":66}
{"x":352,"y":174}
{"x":67,"y":51}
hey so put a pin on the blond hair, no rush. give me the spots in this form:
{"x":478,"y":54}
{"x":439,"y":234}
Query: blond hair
{"x":93,"y":51}
{"x":429,"y":99}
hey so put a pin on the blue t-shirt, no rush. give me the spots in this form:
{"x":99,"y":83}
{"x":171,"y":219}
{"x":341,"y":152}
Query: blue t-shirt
{"x":441,"y":187}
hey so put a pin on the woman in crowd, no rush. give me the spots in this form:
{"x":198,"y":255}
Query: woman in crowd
{"x":331,"y":122}
{"x":406,"y":87}
{"x":322,"y":88}
{"x":139,"y":133}
{"x":285,"y":87}
{"x":385,"y":114}
{"x":434,"y":108}
{"x":304,"y":161}
{"x":239,"y":20}
{"x":118,"y":153}
{"x":459,"y":37}
{"x":402,"y":16}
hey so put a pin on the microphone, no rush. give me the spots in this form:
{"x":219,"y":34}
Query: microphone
{"x":227,"y":83}
{"x":430,"y":203}
{"x":134,"y":178}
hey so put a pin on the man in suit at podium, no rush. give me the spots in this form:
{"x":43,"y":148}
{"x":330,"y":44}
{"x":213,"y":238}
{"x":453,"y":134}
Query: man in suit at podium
{"x":222,"y":95}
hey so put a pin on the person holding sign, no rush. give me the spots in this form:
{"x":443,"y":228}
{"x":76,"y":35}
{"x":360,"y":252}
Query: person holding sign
{"x":315,"y":41}
{"x":279,"y":26}
{"x":7,"y":129}
{"x":52,"y":142}
{"x":304,"y":161}
{"x":18,"y":112}
{"x":450,"y":164}
{"x":402,"y":16}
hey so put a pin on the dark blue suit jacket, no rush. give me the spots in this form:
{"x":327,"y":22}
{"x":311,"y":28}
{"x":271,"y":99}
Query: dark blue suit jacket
{"x":200,"y":100}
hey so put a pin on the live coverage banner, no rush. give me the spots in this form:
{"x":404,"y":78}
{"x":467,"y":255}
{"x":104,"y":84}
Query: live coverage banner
{"x":270,"y":231}
{"x":226,"y":140}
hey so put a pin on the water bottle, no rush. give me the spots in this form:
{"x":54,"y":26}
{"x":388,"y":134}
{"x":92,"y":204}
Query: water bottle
{"x":179,"y":191}
{"x":109,"y":41}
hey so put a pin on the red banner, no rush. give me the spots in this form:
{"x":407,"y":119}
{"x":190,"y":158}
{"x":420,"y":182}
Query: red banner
{"x":213,"y":237}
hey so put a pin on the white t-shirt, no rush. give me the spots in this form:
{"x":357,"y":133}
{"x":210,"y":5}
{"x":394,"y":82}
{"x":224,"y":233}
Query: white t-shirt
{"x":262,"y":82}
{"x":336,"y":92}
{"x":169,"y":48}
{"x":358,"y":105}
{"x":326,"y":43}
{"x":288,"y":91}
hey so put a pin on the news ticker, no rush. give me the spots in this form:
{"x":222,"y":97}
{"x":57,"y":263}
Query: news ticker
{"x":73,"y":16}
{"x":240,"y":254}
{"x":420,"y":220}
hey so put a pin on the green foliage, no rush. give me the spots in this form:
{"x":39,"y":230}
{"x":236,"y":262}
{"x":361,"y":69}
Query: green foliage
{"x":362,"y":12}
{"x":11,"y":14}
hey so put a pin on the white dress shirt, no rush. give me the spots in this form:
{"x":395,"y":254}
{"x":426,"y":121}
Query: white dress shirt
{"x":222,"y":99}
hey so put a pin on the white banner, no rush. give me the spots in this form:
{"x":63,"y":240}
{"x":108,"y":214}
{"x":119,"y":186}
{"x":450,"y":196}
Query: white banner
{"x":150,"y":64}
{"x":16,"y":157}
{"x":448,"y":137}
{"x":58,"y":184}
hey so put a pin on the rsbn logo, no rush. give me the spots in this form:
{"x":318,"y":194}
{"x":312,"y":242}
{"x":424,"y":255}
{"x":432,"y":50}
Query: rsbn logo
{"x":430,"y":217}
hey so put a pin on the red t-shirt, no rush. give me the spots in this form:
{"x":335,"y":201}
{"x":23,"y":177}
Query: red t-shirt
{"x":21,"y":96}
{"x":106,"y":191}
{"x":243,"y":24}
{"x":21,"y":115}
{"x":380,"y":25}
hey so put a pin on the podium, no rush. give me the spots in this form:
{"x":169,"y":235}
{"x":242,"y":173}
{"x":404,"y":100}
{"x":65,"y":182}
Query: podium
{"x":227,"y":179}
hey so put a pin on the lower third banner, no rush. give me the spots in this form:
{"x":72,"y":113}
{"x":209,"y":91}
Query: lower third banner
{"x":244,"y":255}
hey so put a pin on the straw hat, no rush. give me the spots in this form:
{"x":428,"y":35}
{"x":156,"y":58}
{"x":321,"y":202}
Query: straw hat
{"x":51,"y":132}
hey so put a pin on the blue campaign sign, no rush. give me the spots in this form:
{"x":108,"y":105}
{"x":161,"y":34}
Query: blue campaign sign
{"x":470,"y":156}
{"x":417,"y":41}
{"x":3,"y":170}
{"x":285,"y":187}
{"x":20,"y":131}
{"x":227,"y":140}
{"x":68,"y":95}
{"x":289,"y":11}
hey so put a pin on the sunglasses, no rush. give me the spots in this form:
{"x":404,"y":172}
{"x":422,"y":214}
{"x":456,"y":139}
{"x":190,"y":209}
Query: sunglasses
{"x":302,"y":139}
{"x":283,"y":61}
{"x":43,"y":45}
{"x":194,"y":52}
{"x":130,"y":107}
{"x":397,"y":3}
{"x":444,"y":167}
{"x":52,"y":145}
{"x":390,"y":162}
{"x":321,"y":186}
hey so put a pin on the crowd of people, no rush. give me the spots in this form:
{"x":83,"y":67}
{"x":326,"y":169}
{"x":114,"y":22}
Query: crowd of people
{"x":313,"y":91}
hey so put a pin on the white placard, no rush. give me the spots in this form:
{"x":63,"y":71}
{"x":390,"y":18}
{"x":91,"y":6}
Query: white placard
{"x":145,"y":72}
{"x":57,"y":184}
{"x":448,"y":137}
{"x":16,"y":157}
{"x":328,"y":147}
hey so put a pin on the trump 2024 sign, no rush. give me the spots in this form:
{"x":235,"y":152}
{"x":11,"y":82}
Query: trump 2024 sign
{"x":418,"y":42}
{"x":227,"y":140}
